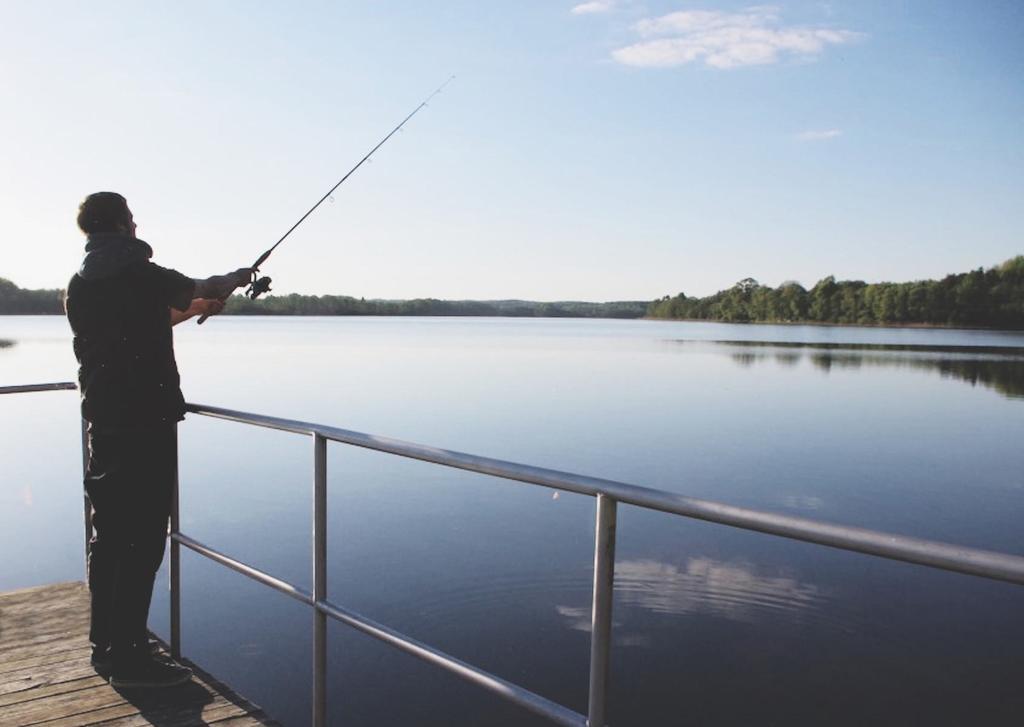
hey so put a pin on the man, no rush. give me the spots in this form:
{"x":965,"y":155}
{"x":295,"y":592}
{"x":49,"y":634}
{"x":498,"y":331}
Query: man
{"x":121,"y":308}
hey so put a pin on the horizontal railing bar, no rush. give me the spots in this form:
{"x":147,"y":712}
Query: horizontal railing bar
{"x":299,"y":594}
{"x":260,"y":420}
{"x":28,"y":388}
{"x":509,"y":691}
{"x":960,"y":559}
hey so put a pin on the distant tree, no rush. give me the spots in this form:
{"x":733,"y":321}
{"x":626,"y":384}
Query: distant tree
{"x":822,"y":307}
{"x":791,"y":302}
{"x":747,"y":285}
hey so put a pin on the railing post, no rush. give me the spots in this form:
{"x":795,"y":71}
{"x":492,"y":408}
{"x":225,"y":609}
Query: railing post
{"x":85,"y":495}
{"x":601,"y":616}
{"x":175,"y":564}
{"x":319,"y":580}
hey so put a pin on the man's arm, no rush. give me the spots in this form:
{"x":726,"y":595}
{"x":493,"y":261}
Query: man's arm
{"x":198,"y":307}
{"x":208,"y":295}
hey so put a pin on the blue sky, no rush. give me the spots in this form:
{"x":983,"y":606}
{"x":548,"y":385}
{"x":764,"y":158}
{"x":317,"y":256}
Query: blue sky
{"x":586,"y":150}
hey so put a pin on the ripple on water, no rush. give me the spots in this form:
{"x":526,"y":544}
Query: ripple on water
{"x":733,"y":590}
{"x":497,"y":591}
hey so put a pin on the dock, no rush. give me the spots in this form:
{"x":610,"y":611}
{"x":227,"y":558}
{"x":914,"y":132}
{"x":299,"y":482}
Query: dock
{"x":46,"y":678}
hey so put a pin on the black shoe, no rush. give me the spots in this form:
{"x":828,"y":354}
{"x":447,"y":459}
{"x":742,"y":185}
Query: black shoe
{"x":101,"y":661}
{"x":149,"y":673}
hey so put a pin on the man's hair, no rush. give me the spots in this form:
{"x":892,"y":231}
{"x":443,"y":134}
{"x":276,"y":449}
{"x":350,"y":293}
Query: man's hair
{"x":103,"y":212}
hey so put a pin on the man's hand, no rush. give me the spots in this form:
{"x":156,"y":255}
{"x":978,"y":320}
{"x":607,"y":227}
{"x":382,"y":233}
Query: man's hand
{"x":198,"y":307}
{"x":242,"y":275}
{"x":205,"y":307}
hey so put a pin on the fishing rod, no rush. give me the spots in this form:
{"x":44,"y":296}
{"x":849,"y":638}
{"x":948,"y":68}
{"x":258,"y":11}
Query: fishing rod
{"x":259,"y":286}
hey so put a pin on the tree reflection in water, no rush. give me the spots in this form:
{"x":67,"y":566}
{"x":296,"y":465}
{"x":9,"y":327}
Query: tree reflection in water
{"x":998,"y":368}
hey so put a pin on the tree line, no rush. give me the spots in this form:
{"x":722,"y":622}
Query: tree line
{"x":992,"y":298}
{"x":15,"y":300}
{"x":344,"y":305}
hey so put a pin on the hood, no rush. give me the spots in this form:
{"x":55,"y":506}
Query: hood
{"x":107,"y":254}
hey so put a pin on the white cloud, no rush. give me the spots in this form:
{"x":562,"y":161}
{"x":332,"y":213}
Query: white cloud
{"x":754,"y":36}
{"x":822,"y":135}
{"x":593,"y":6}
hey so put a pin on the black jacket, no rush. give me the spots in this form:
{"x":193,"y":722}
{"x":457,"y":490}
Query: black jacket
{"x":118,"y":305}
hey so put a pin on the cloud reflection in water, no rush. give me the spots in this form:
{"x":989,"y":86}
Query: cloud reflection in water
{"x":704,"y":586}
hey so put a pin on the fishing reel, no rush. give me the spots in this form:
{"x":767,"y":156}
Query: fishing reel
{"x":258,"y":287}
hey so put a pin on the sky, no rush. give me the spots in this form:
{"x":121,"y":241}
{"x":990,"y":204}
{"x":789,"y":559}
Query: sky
{"x":595,"y":150}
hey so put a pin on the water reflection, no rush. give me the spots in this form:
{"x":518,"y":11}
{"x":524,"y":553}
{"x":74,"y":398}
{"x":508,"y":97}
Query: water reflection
{"x":995,"y":367}
{"x":803,"y":502}
{"x":736,"y":591}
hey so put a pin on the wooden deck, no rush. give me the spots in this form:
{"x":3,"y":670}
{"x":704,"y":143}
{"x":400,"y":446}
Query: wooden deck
{"x":46,"y":679}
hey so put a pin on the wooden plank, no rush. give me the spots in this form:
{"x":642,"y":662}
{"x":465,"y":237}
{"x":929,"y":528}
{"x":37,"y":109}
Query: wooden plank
{"x":219,"y":709}
{"x":44,"y":631}
{"x":67,"y":601}
{"x":46,"y":679}
{"x":32,"y":650}
{"x":40,"y":604}
{"x":10,"y":658}
{"x":63,"y":602}
{"x":249,"y":720}
{"x":36,"y":617}
{"x":60,"y":705}
{"x":43,"y":690}
{"x":148,"y":707}
{"x":55,"y":649}
{"x":33,"y":677}
{"x":48,"y":657}
{"x":97,"y":716}
{"x":35,"y":614}
{"x":38,"y":593}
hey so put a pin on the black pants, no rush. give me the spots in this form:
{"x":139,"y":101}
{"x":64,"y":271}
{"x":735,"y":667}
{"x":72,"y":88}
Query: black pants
{"x":130,"y":481}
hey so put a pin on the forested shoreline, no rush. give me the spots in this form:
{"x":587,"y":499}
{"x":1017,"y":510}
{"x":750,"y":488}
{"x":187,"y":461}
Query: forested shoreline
{"x":21,"y":301}
{"x":992,"y":298}
{"x":343,"y":305}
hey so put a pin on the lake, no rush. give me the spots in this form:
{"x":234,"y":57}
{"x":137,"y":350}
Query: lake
{"x":913,"y":431}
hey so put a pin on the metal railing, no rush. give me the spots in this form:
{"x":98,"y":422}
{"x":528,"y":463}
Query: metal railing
{"x":608,"y":493}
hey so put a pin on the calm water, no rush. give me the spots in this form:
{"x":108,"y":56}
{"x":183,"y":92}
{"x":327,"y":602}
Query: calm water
{"x":912,"y":431}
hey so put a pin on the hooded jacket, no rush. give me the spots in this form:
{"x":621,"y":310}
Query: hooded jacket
{"x":118,"y":305}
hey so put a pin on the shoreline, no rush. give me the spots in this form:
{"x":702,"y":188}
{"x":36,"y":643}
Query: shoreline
{"x":819,"y":324}
{"x":926,"y":326}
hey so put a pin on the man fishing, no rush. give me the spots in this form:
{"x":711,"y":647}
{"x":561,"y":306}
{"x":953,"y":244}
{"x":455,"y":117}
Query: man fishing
{"x":121,"y":308}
